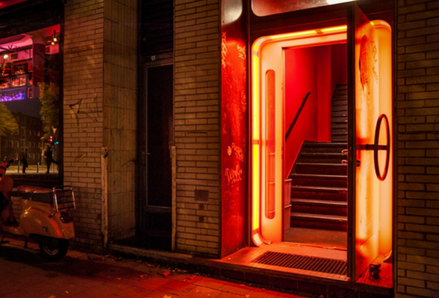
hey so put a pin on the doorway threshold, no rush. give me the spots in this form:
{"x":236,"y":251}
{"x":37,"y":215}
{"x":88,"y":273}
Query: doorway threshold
{"x":249,"y":256}
{"x":239,"y":267}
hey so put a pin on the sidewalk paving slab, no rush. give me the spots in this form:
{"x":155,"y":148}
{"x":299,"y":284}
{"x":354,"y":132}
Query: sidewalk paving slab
{"x":25,"y":274}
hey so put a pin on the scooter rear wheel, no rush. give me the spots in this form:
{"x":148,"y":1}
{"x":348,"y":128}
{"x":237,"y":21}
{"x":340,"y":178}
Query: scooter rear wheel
{"x":55,"y":250}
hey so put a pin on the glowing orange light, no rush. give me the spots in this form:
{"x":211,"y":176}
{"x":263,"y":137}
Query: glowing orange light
{"x":255,"y":188}
{"x":334,"y":29}
{"x":386,"y":191}
{"x":255,"y":95}
{"x":255,"y":141}
{"x":295,"y":34}
{"x":373,"y":91}
{"x":264,"y":227}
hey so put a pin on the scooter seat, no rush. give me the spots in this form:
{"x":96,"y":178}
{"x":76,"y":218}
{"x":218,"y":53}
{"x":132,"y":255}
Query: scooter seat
{"x":35,"y":193}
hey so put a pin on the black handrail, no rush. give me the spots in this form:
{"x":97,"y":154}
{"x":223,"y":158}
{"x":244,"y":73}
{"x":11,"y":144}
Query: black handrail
{"x":297,"y":116}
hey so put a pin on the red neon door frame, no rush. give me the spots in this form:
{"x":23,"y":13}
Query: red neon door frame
{"x":360,"y":251}
{"x":267,"y":224}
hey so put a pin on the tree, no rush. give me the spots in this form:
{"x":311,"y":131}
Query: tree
{"x":8,"y":123}
{"x":49,"y":98}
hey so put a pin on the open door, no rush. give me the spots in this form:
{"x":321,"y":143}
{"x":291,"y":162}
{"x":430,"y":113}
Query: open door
{"x":370,"y":141}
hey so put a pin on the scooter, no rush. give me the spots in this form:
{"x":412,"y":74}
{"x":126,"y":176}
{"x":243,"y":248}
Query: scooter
{"x":44,"y":215}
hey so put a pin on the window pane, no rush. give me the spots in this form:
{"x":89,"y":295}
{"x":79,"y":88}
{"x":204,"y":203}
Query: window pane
{"x":29,"y":99}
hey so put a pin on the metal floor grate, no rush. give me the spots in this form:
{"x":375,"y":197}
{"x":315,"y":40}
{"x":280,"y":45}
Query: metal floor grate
{"x":302,"y":262}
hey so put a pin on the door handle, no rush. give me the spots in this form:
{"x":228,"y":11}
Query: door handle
{"x":376,"y":147}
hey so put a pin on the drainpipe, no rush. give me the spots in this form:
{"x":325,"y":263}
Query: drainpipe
{"x":104,"y":198}
{"x":174,"y":195}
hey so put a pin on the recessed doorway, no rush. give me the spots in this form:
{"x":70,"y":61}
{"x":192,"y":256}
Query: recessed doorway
{"x":320,"y":144}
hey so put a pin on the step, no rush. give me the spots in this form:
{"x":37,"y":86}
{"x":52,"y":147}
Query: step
{"x":339,"y":132}
{"x":339,"y":108}
{"x":321,"y":168}
{"x":320,"y":192}
{"x":319,"y":221}
{"x":343,"y":114}
{"x":339,"y":121}
{"x":339,"y":100}
{"x":335,"y":147}
{"x":340,"y":92}
{"x":340,"y":138}
{"x":319,"y":180}
{"x":321,"y":157}
{"x":311,"y":206}
{"x":342,"y":95}
{"x":341,"y":125}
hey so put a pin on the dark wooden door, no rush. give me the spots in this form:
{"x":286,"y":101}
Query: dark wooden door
{"x":158,"y":222}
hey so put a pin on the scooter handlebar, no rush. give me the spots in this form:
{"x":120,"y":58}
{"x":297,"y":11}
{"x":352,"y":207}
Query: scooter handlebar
{"x":10,"y":162}
{"x":4,"y":166}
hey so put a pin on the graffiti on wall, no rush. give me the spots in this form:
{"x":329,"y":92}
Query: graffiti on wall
{"x":234,"y":137}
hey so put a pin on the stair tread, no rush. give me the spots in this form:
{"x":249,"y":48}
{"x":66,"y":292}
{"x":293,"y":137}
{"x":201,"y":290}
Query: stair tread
{"x":318,"y":176}
{"x":319,"y":180}
{"x":321,"y":153}
{"x":324,"y":145}
{"x":320,"y":216}
{"x":319,"y":202}
{"x":321,"y":164}
{"x":318,"y":188}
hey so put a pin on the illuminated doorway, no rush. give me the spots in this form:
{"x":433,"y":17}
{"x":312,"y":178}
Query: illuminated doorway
{"x":294,"y":76}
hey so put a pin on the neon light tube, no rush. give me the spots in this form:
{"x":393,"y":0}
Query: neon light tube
{"x":334,"y":29}
{"x":295,"y":34}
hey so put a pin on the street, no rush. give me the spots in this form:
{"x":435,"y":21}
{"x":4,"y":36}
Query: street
{"x":25,"y":274}
{"x":17,"y":168}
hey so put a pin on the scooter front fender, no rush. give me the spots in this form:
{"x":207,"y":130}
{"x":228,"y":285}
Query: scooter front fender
{"x":40,"y":222}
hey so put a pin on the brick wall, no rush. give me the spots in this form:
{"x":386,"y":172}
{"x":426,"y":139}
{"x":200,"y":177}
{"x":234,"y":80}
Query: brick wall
{"x":120,"y":116}
{"x":417,"y":231}
{"x":83,"y":126}
{"x":99,"y":111}
{"x":197,"y":130}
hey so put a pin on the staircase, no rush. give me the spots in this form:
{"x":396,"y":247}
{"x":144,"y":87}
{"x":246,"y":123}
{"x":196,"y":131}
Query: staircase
{"x":319,"y":180}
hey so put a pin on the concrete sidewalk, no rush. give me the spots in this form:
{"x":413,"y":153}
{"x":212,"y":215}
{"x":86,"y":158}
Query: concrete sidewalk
{"x":25,"y":274}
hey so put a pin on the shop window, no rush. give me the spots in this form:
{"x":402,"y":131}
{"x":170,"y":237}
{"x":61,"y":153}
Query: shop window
{"x":269,"y":7}
{"x":30,"y":80}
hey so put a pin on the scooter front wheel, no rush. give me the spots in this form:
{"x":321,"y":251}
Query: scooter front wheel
{"x":54,"y":250}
